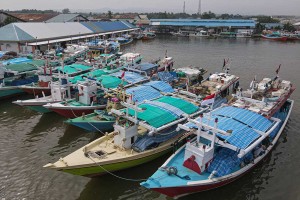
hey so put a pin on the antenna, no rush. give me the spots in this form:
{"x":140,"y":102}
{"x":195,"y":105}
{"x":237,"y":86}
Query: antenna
{"x":184,"y":7}
{"x":199,"y":8}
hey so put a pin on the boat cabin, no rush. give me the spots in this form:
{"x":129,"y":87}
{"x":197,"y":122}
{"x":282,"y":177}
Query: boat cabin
{"x":87,"y":92}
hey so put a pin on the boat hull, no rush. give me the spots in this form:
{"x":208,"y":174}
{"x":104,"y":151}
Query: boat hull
{"x":194,"y":187}
{"x":94,"y":126}
{"x":97,"y":170}
{"x":73,"y":112}
{"x":40,"y":109}
{"x":7,"y":93}
{"x":282,"y":38}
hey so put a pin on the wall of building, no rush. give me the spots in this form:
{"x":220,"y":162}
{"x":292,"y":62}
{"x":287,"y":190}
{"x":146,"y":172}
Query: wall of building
{"x":9,"y":46}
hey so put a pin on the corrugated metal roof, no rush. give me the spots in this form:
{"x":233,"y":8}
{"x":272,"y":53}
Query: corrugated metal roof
{"x":64,"y":18}
{"x":53,"y":30}
{"x":44,"y":31}
{"x":203,"y":22}
{"x":11,"y":32}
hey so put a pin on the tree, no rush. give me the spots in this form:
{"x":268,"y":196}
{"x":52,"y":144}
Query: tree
{"x":109,"y":14}
{"x":289,"y":27}
{"x":66,"y":11}
{"x":9,"y":20}
{"x":259,"y":28}
{"x":208,"y":15}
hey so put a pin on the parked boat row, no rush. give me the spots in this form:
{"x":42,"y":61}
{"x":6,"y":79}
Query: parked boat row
{"x":219,"y":135}
{"x":217,"y":131}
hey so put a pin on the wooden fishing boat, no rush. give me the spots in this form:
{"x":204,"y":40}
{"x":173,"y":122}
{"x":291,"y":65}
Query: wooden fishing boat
{"x":88,"y":99}
{"x":275,"y":37}
{"x":58,"y":93}
{"x":142,"y":133}
{"x":148,"y":35}
{"x":230,"y":141}
{"x":13,"y":76}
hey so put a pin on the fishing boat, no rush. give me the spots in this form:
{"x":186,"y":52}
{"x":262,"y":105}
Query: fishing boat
{"x":276,"y":37}
{"x":101,"y":120}
{"x":229,"y":142}
{"x":59,"y":93}
{"x":88,"y":99}
{"x":122,"y":40}
{"x":201,"y":33}
{"x":42,"y":87}
{"x":13,"y":76}
{"x":143,"y":131}
{"x":131,"y":58}
{"x":148,"y":35}
{"x":180,"y":33}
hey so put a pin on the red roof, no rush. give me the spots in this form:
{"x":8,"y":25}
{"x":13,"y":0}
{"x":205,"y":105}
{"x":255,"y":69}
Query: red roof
{"x":30,"y":17}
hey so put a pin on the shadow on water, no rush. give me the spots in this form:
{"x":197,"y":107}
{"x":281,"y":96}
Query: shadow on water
{"x":109,"y":187}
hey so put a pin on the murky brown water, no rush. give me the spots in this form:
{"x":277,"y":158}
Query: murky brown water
{"x":29,"y":140}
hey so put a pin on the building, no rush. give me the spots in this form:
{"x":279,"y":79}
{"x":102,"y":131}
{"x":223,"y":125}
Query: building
{"x":34,"y":17}
{"x":6,"y":18}
{"x":297,"y":26}
{"x":218,"y":25}
{"x":27,"y":37}
{"x":68,"y":18}
{"x":141,"y":21}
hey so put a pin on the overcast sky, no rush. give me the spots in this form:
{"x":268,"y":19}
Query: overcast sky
{"x":267,"y":7}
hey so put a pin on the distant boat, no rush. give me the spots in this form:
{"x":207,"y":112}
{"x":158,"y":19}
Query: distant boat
{"x":180,"y":33}
{"x":275,"y":37}
{"x":227,"y":35}
{"x":201,"y":33}
{"x":148,"y":36}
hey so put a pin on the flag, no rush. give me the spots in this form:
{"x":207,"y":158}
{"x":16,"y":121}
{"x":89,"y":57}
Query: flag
{"x":123,"y":75}
{"x":278,"y":69}
{"x":225,"y":63}
{"x":252,"y":82}
{"x":208,"y":100}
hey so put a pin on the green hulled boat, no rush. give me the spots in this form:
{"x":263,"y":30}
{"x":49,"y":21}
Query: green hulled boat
{"x":146,"y":132}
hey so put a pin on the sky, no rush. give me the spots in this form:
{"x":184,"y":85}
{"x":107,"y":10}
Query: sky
{"x":244,"y":7}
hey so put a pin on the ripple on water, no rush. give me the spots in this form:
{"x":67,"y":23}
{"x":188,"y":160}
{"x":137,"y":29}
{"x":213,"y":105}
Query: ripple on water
{"x":29,"y":140}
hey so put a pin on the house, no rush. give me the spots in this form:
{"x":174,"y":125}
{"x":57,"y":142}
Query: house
{"x":34,"y":17}
{"x":68,"y":18}
{"x":6,"y":18}
{"x":141,"y":20}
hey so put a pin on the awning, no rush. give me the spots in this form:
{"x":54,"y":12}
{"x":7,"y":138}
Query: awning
{"x":77,"y":37}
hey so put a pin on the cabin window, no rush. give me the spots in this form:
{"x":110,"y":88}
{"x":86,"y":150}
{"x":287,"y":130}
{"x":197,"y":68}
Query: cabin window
{"x":132,"y":139}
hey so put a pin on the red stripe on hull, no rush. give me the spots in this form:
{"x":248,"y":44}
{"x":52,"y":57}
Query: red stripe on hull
{"x":71,"y":113}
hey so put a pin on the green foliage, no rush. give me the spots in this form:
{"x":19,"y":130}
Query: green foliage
{"x":267,"y":19}
{"x":289,"y":27}
{"x":9,"y":20}
{"x":208,"y":15}
{"x":33,"y":11}
{"x":259,"y":28}
{"x":109,"y":14}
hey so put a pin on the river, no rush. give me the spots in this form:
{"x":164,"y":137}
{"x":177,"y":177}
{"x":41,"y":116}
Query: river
{"x":29,"y":140}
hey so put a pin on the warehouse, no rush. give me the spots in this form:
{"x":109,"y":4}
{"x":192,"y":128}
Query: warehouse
{"x":217,"y":25}
{"x":27,"y":37}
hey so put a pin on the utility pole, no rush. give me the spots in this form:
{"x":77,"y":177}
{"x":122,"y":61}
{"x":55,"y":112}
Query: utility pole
{"x":184,"y":7}
{"x":199,"y":8}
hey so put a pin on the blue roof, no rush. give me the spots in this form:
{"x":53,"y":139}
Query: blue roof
{"x":203,"y":22}
{"x":242,"y":122}
{"x":145,"y":66}
{"x":105,"y":26}
{"x":160,"y":85}
{"x":130,"y":77}
{"x":141,"y":93}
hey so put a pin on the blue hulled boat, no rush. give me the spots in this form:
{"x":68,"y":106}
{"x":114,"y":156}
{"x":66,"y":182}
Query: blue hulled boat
{"x":229,"y":141}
